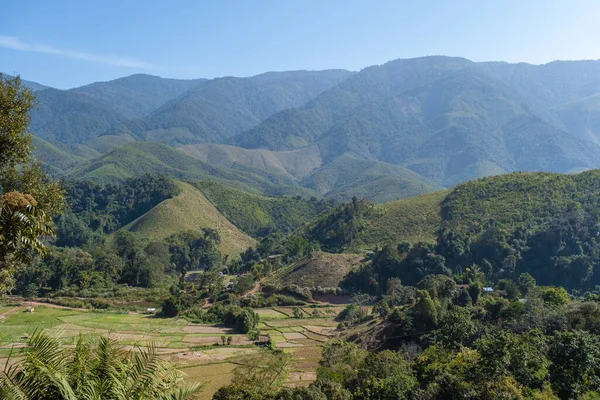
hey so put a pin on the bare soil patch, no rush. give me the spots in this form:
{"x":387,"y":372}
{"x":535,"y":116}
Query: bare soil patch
{"x":207,"y":329}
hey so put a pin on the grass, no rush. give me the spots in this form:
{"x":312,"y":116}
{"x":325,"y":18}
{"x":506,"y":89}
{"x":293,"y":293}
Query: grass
{"x":295,"y":164}
{"x":414,"y":219}
{"x":349,"y":176}
{"x":216,"y":375}
{"x":190,"y":210}
{"x":322,"y":269}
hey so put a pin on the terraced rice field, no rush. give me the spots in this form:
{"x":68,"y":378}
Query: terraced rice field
{"x":194,"y":348}
{"x":303,"y":338}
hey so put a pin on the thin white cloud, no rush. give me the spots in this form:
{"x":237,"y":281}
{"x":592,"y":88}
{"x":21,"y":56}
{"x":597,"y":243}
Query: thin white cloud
{"x":10,"y":42}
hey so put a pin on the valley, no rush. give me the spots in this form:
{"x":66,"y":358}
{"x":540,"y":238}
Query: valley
{"x":426,"y":229}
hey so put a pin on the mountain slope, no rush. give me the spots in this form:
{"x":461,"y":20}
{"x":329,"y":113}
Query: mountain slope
{"x":55,"y":159}
{"x":343,"y":178}
{"x":444,"y":118}
{"x":414,"y":219}
{"x":259,"y":215}
{"x":348,"y":176}
{"x":138,"y":158}
{"x":223,"y":107}
{"x":137,"y":95}
{"x":295,"y":164}
{"x":323,"y":270}
{"x":34,"y":86}
{"x":190,"y":210}
{"x":72,"y":118}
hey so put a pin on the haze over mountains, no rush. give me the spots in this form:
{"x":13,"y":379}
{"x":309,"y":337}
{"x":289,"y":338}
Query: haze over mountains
{"x":404,"y":128}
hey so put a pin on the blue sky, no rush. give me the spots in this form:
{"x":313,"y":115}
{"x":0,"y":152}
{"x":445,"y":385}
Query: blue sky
{"x":70,"y":43}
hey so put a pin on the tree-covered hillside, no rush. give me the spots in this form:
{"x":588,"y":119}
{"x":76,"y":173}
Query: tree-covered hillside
{"x":72,"y":118}
{"x":541,"y":223}
{"x":174,"y":111}
{"x":259,"y":215}
{"x":448,"y":119}
{"x":220,"y":108}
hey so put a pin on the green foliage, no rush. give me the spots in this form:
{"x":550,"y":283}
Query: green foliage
{"x":194,"y":251}
{"x":575,"y":358}
{"x":336,"y":229}
{"x":95,"y":211}
{"x":91,"y":370}
{"x":408,"y":263}
{"x":555,"y":295}
{"x":170,"y":307}
{"x":28,"y":200}
{"x":258,"y":376}
{"x":539,"y":225}
{"x":258,"y":215}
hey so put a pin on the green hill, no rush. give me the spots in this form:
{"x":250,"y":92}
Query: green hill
{"x":349,"y":176}
{"x":72,"y":118}
{"x":341,"y":179}
{"x":295,"y":164}
{"x":255,"y":171}
{"x":414,"y":219}
{"x":511,"y":202}
{"x":105,"y":143}
{"x":190,"y":210}
{"x":258,"y":215}
{"x":545,"y":224}
{"x":53,"y":158}
{"x":138,"y":158}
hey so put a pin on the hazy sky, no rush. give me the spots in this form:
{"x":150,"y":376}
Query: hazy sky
{"x":69,"y":43}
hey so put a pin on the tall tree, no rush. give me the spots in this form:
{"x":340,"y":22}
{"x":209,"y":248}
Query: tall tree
{"x":28,"y":199}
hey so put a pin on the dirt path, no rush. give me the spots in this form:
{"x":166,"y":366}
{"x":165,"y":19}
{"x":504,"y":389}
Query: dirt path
{"x":42,"y":304}
{"x":207,"y":304}
{"x":37,"y":304}
{"x":12,"y":310}
{"x":255,"y":289}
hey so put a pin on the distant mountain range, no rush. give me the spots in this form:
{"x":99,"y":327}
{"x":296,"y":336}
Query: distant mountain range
{"x":407,"y":127}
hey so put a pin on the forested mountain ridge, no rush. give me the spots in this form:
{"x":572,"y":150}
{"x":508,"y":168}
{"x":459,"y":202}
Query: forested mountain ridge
{"x":395,"y":130}
{"x":173,"y":110}
{"x":217,"y":109}
{"x":448,"y":119}
{"x":137,"y":96}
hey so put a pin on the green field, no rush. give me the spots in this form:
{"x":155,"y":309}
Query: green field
{"x":190,"y":210}
{"x":193,"y":348}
